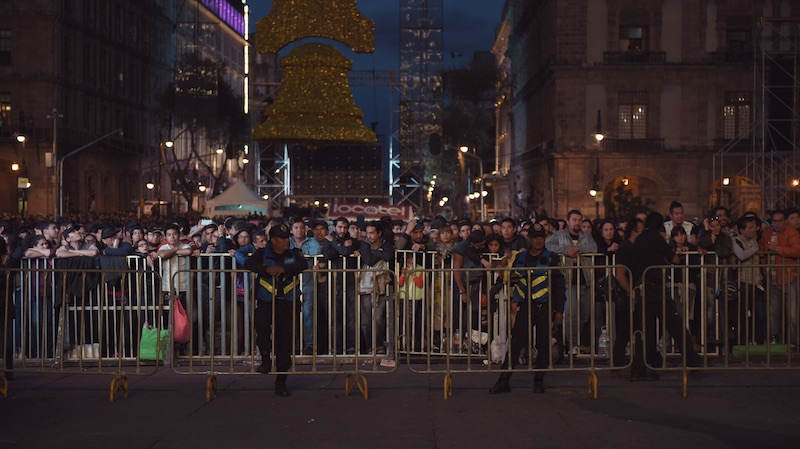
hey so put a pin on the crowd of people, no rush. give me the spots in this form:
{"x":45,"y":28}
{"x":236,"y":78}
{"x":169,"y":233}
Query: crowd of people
{"x":280,"y":251}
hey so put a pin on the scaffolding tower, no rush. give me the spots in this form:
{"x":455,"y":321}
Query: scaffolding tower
{"x":421,"y":99}
{"x":769,"y":174}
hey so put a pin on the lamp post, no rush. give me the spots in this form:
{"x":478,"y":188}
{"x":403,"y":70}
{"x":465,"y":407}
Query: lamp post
{"x":465,"y":150}
{"x":23,"y":183}
{"x":60,"y":166}
{"x":598,"y":137}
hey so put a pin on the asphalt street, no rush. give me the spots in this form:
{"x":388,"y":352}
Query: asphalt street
{"x":731,"y":409}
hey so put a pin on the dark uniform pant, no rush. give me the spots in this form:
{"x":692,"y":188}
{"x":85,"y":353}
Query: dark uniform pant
{"x":281,"y":323}
{"x":655,"y":307}
{"x":538,"y":314}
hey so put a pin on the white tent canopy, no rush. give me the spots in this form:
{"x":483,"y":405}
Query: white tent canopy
{"x":237,"y":200}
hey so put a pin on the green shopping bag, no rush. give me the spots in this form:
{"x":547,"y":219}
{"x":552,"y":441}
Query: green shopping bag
{"x":153,"y":344}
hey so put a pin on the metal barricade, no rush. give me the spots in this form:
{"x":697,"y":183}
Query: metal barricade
{"x":741,"y":325}
{"x":352,"y":328}
{"x":478,"y":329}
{"x":83,"y":319}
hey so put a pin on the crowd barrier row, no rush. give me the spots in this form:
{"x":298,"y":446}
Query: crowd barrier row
{"x":116,"y":316}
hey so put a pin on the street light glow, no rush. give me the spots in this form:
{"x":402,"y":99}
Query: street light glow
{"x":169,"y":144}
{"x":14,"y":166}
{"x":463,"y":148}
{"x":21,"y":138}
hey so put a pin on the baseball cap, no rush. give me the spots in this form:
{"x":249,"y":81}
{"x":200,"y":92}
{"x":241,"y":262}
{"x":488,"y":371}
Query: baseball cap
{"x":536,"y":230}
{"x":280,"y":231}
{"x":108,"y":233}
{"x":477,"y":236}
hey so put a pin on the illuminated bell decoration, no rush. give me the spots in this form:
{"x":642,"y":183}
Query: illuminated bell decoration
{"x":292,"y":20}
{"x":315,"y":102}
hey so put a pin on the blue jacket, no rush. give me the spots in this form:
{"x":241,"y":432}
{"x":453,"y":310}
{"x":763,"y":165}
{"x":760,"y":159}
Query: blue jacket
{"x":285,"y":286}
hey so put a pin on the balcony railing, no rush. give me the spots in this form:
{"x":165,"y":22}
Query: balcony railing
{"x":731,"y":57}
{"x":735,"y":145}
{"x":633,"y":145}
{"x":634,"y":57}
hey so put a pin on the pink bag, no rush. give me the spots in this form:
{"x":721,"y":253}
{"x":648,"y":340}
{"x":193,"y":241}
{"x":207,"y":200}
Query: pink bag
{"x":181,"y":331}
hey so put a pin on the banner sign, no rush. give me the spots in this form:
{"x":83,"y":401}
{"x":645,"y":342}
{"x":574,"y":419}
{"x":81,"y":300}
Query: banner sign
{"x":371,"y":212}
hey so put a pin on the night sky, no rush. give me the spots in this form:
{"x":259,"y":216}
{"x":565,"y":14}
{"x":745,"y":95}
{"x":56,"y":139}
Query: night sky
{"x":469,"y":26}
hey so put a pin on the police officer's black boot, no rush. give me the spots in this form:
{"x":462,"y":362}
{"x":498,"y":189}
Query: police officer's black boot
{"x":538,"y":383}
{"x":502,"y":385}
{"x":280,"y":385}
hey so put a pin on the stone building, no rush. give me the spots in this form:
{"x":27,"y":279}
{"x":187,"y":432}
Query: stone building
{"x":674,"y":87}
{"x":76,"y":72}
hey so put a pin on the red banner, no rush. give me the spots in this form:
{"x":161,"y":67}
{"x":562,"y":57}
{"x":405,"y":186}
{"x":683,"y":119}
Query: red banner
{"x":370,"y":212}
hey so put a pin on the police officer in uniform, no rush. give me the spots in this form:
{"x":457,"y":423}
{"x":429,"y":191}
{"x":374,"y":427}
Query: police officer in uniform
{"x":650,"y":250}
{"x":278,"y":286}
{"x":536,"y":292}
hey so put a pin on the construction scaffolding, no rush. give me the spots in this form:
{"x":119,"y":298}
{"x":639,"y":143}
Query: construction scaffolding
{"x":766,"y":153}
{"x":422,"y":99}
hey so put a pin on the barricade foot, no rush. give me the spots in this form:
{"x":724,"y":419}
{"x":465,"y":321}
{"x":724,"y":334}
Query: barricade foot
{"x":356,"y":380}
{"x":211,"y":387}
{"x":593,"y":384}
{"x":4,"y":388}
{"x":119,"y":383}
{"x":448,"y":385}
{"x":685,"y":382}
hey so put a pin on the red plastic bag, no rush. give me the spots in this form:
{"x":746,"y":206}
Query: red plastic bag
{"x":181,"y":331}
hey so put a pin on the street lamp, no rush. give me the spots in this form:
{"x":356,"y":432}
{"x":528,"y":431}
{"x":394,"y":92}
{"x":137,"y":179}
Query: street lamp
{"x":23,"y":183}
{"x":465,"y":150}
{"x":60,"y":165}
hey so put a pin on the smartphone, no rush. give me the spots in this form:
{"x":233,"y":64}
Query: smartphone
{"x":205,"y":222}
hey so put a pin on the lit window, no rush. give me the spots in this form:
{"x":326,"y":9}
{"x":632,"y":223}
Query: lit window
{"x":632,"y":115}
{"x":736,"y":115}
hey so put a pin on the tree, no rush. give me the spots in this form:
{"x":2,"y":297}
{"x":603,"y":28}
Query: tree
{"x":468,"y":119}
{"x":623,"y":203}
{"x":202,"y":104}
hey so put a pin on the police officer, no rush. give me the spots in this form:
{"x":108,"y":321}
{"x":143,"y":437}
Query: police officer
{"x":651,"y":250}
{"x":278,"y":286}
{"x":536,"y":292}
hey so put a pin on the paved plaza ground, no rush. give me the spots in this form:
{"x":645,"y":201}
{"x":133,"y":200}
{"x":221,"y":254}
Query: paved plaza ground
{"x":732,"y":409}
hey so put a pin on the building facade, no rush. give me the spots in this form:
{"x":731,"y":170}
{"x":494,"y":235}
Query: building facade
{"x":670,"y":84}
{"x":79,"y":80}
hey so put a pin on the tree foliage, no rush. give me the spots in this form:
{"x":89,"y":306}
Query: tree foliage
{"x":623,"y":203}
{"x":200,"y":103}
{"x":468,"y":119}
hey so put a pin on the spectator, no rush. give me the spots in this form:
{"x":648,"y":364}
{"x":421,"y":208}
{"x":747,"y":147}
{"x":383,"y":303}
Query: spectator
{"x":310,"y":247}
{"x":572,"y":242}
{"x":785,"y":246}
{"x":751,"y":282}
{"x":376,"y":254}
{"x":676,"y":219}
{"x":338,"y":249}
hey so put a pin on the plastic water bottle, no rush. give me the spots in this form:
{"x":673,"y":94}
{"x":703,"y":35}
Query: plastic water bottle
{"x":603,"y":343}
